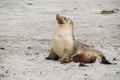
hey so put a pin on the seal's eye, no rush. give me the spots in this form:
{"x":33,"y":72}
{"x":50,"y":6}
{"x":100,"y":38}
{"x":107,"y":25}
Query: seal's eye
{"x":65,"y":18}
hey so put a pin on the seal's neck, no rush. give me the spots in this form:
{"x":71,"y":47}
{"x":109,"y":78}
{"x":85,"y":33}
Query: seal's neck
{"x":65,"y":25}
{"x":68,"y":26}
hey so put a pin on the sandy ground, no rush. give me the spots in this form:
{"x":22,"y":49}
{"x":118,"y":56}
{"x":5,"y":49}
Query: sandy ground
{"x":26,"y":29}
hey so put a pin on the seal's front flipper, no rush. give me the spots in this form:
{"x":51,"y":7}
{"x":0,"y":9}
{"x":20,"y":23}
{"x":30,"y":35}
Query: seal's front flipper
{"x":66,"y":59}
{"x":52,"y":56}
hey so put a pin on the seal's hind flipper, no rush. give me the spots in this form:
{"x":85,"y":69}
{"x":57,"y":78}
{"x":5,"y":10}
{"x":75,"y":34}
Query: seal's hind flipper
{"x":105,"y":61}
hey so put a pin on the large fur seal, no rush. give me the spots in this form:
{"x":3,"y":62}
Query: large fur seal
{"x":65,"y":47}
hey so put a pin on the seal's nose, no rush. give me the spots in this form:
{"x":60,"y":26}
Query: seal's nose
{"x":57,"y":16}
{"x":59,"y":19}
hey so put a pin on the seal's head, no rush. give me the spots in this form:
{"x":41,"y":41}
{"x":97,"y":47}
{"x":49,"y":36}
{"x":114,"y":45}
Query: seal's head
{"x":63,"y":20}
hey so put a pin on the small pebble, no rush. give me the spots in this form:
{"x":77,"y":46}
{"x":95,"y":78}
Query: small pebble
{"x":29,"y":4}
{"x":2,"y":75}
{"x":28,"y":54}
{"x":14,"y":74}
{"x":37,"y":53}
{"x":2,"y":48}
{"x":41,"y":42}
{"x":75,"y":8}
{"x":117,"y":72}
{"x":7,"y":71}
{"x":85,"y":74}
{"x":114,"y":59}
{"x":29,"y":47}
{"x":118,"y":25}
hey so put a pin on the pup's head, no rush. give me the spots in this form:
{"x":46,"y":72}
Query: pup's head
{"x":63,"y":20}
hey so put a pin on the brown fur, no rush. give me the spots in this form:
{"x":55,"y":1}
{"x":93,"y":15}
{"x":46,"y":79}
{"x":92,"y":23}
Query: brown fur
{"x":86,"y":56}
{"x":89,"y":55}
